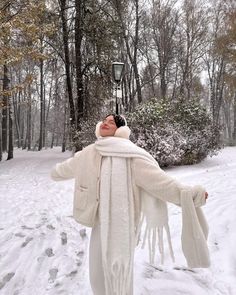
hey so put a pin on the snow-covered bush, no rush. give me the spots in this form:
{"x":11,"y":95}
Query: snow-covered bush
{"x":163,"y":142}
{"x":174,"y":132}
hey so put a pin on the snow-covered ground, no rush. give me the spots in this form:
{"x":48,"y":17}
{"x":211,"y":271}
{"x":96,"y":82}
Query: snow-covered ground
{"x":44,"y":251}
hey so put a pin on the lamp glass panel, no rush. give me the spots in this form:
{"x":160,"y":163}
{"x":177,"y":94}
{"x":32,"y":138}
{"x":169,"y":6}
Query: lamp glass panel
{"x":118,"y":71}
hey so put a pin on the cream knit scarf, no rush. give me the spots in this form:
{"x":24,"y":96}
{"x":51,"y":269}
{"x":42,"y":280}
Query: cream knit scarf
{"x":117,"y":225}
{"x":119,"y":232}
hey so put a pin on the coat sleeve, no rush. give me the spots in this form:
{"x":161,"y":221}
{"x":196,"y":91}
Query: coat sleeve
{"x":151,"y":178}
{"x":66,"y":169}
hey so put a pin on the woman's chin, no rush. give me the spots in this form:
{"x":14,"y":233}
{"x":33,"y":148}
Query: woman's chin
{"x":105,"y":134}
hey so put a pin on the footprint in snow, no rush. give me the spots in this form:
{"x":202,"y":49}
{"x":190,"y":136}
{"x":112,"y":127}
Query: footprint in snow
{"x":20,"y":235}
{"x":26,"y":242}
{"x":26,"y":227}
{"x":6,"y":279}
{"x":80,"y":253}
{"x":63,"y":238}
{"x":44,"y":219}
{"x":53,"y":275}
{"x":72,"y":273}
{"x":49,"y":252}
{"x":49,"y":226}
{"x":82,"y":233}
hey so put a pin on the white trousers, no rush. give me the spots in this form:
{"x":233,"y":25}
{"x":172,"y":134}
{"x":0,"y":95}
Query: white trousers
{"x":96,"y":274}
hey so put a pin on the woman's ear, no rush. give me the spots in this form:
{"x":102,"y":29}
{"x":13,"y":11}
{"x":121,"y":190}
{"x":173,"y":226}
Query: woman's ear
{"x":97,"y":130}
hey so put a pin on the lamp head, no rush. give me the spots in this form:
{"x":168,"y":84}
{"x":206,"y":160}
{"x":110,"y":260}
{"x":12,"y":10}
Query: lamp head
{"x":117,"y":71}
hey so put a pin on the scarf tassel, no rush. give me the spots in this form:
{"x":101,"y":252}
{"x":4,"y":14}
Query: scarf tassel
{"x":151,"y":235}
{"x":117,"y":280}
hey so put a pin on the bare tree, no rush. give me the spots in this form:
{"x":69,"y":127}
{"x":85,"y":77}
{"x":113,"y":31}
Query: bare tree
{"x":216,"y":63}
{"x":130,"y":33}
{"x":164,"y":21}
{"x":191,"y":43}
{"x":65,"y":33}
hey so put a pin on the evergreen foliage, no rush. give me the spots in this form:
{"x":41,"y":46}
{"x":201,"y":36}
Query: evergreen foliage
{"x":175,"y":133}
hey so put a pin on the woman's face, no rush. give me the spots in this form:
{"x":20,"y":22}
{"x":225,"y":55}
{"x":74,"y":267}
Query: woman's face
{"x":108,"y":126}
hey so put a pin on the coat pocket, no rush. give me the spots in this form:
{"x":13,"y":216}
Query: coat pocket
{"x":81,"y":197}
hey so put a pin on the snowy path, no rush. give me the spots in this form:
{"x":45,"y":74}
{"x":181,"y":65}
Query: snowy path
{"x":44,"y":251}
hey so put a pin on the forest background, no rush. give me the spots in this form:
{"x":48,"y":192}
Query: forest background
{"x":179,"y":84}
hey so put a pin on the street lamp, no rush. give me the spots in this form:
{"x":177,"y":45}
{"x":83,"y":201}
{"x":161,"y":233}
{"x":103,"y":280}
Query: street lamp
{"x":117,"y":72}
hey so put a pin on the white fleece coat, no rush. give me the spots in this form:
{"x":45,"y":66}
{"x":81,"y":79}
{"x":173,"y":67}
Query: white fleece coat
{"x":146,"y":176}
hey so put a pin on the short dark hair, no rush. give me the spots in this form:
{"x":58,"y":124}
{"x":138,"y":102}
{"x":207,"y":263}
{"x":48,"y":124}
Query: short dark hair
{"x":119,"y":120}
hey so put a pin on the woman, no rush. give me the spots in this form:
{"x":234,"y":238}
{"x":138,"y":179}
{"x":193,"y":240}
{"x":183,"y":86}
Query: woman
{"x":117,"y":185}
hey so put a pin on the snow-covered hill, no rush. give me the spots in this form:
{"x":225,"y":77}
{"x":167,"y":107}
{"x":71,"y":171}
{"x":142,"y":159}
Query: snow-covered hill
{"x":44,"y":251}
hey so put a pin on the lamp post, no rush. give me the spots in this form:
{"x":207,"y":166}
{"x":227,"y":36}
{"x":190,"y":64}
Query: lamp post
{"x":117,"y":72}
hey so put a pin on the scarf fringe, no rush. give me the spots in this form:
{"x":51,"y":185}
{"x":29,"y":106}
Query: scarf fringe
{"x":117,"y":281}
{"x":150,"y":236}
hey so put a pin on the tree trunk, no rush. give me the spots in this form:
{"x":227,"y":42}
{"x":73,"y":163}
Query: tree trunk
{"x":41,"y":107}
{"x":22,"y":125}
{"x":78,"y":59}
{"x":226,"y":109}
{"x":16,"y":120}
{"x":234,"y":126}
{"x":0,"y":135}
{"x":8,"y":113}
{"x":29,"y":117}
{"x":216,"y":73}
{"x":10,"y":135}
{"x":44,"y":116}
{"x":64,"y":129}
{"x":67,"y":62}
{"x":5,"y":110}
